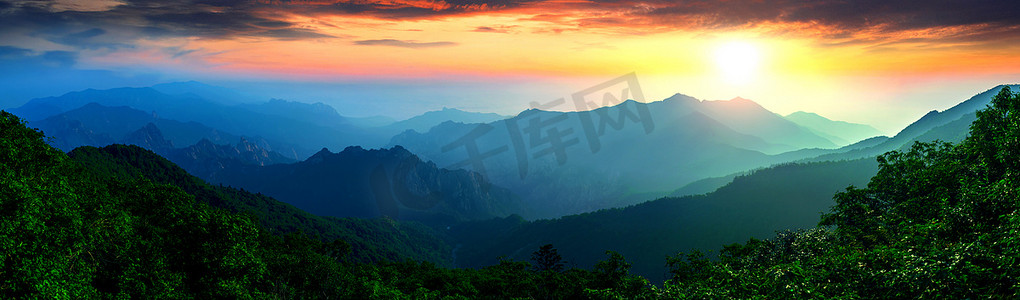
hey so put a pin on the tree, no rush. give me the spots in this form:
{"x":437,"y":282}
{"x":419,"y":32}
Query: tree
{"x":547,"y":259}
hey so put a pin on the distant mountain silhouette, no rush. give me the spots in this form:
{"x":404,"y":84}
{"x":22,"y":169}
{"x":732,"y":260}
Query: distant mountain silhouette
{"x":951,"y":125}
{"x":424,"y":122}
{"x":277,"y":121}
{"x":746,"y":116}
{"x":839,"y":132}
{"x":622,"y":158}
{"x":98,"y":125}
{"x":370,"y":183}
{"x":316,"y":113}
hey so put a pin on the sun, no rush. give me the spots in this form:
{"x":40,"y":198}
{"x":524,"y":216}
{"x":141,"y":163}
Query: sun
{"x":737,"y":62}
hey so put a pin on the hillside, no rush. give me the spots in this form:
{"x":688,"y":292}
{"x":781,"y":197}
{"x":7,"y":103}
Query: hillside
{"x":406,"y":240}
{"x":371,"y":183}
{"x":783,"y":197}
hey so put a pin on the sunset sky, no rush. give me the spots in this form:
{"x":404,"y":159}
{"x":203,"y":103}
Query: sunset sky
{"x":883,"y":63}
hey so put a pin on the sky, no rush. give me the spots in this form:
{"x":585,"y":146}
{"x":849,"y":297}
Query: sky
{"x":882,"y":63}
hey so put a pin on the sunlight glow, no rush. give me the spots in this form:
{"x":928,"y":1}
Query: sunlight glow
{"x":737,"y":62}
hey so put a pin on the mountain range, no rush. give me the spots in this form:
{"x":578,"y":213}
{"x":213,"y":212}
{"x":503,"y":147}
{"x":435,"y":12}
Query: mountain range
{"x":564,"y":163}
{"x":715,"y":211}
{"x":556,"y":163}
{"x":579,"y":180}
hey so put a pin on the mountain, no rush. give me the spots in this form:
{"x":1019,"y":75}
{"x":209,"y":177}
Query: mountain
{"x":117,"y":122}
{"x":746,"y":116}
{"x":150,"y":137}
{"x":277,"y":121}
{"x":371,"y":183}
{"x":206,"y":158}
{"x":781,"y":197}
{"x":73,"y":129}
{"x":951,"y":125}
{"x":316,"y":113}
{"x":98,"y":125}
{"x":839,"y":132}
{"x":424,"y":122}
{"x":564,"y":163}
{"x":406,"y":240}
{"x":67,"y":134}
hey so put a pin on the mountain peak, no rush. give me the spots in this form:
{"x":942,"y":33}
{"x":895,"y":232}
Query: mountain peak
{"x":681,"y":98}
{"x":149,"y":137}
{"x":320,"y":156}
{"x":350,"y":149}
{"x":736,"y":103}
{"x":801,"y":113}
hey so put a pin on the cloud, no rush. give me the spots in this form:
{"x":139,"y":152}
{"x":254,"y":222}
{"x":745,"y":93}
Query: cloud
{"x":13,"y":52}
{"x":403,"y":44}
{"x":394,"y":9}
{"x":833,"y":20}
{"x":118,"y":23}
{"x":496,"y":29}
{"x":131,"y":20}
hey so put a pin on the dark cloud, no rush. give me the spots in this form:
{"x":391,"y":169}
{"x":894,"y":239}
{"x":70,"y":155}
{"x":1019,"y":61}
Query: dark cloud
{"x":395,"y":9}
{"x":273,"y":24}
{"x":841,"y":18}
{"x":835,"y":22}
{"x":403,"y":44}
{"x":294,"y":34}
{"x":486,"y":29}
{"x":136,"y":19}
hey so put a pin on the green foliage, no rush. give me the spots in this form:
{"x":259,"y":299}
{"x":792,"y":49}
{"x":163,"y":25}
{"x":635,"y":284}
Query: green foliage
{"x":121,"y":222}
{"x":547,"y":259}
{"x":937,"y":221}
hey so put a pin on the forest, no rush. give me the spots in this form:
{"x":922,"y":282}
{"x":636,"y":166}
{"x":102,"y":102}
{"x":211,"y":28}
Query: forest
{"x":939,"y":221}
